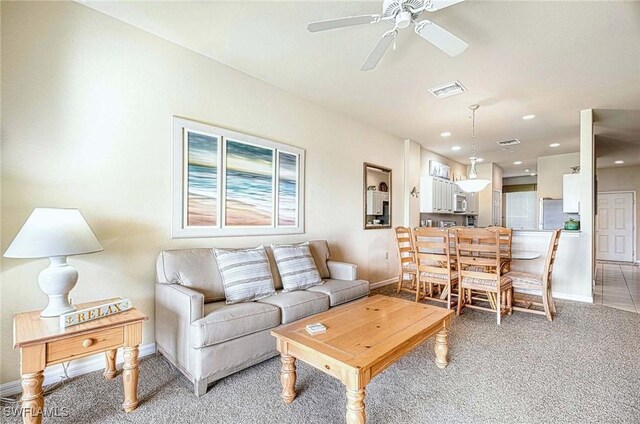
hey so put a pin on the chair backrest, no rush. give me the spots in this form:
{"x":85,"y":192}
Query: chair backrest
{"x":551,"y":257}
{"x":478,"y":253}
{"x":404,"y":245}
{"x":432,"y":250}
{"x":506,"y":237}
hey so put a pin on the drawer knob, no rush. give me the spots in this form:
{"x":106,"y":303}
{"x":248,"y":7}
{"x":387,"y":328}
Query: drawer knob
{"x":87,"y":342}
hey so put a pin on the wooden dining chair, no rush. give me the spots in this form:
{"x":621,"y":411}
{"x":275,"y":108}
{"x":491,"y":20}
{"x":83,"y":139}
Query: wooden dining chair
{"x":436,"y":279}
{"x":406,"y":259}
{"x":479,"y":269}
{"x":538,"y":283}
{"x":506,"y":238}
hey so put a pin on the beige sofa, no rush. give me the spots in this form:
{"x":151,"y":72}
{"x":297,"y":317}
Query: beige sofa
{"x":206,"y":339}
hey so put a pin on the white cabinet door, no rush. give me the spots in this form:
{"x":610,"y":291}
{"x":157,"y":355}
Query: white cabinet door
{"x":571,"y":193}
{"x":614,"y":227}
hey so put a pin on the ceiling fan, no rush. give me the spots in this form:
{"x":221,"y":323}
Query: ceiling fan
{"x":401,"y":14}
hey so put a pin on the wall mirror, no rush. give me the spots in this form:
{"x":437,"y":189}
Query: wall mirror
{"x":377,"y":197}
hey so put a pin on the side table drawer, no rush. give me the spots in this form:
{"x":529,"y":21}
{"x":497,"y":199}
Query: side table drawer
{"x":74,"y":347}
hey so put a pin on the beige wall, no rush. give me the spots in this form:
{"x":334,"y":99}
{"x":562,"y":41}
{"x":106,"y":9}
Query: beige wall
{"x":550,"y":172}
{"x":87,"y":103}
{"x":626,"y":178}
{"x":412,"y":161}
{"x":493,"y":173}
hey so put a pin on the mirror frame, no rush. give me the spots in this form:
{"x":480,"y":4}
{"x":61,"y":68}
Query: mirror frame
{"x":364,"y":199}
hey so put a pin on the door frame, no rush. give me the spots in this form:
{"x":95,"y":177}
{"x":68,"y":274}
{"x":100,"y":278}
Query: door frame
{"x":634,"y":223}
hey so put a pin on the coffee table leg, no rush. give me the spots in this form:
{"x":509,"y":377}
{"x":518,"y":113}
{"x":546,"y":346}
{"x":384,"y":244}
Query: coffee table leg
{"x":441,"y":348}
{"x":355,"y":406}
{"x":288,"y":378}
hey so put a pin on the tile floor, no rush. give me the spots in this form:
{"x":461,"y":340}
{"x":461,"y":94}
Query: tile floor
{"x":618,"y":286}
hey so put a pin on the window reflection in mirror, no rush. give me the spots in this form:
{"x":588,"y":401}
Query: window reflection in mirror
{"x":377,"y":197}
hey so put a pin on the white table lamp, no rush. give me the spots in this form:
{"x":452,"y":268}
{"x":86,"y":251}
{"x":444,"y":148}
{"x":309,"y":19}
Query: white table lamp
{"x":55,"y":234}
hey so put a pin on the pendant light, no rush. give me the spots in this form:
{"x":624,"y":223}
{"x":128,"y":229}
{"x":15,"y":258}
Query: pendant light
{"x":473,"y":184}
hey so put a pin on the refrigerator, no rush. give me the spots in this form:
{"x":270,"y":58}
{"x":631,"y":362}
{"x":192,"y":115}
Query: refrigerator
{"x":551,"y":216}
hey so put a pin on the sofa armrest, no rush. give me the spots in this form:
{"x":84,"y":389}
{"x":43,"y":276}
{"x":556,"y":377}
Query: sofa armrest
{"x":176,"y":308}
{"x":342,"y":270}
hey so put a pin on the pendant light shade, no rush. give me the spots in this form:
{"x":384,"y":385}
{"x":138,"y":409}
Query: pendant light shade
{"x":473,"y":184}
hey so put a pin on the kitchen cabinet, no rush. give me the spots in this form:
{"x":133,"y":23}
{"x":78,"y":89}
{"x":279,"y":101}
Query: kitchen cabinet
{"x":375,"y":202}
{"x":571,"y":193}
{"x":436,"y":195}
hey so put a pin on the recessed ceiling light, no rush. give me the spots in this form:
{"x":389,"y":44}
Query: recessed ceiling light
{"x":528,"y":117}
{"x":554,"y":144}
{"x":527,"y":170}
{"x":456,"y":148}
{"x":479,"y":160}
{"x":619,"y":162}
{"x":533,"y":174}
{"x":518,"y":162}
{"x":445,"y":134}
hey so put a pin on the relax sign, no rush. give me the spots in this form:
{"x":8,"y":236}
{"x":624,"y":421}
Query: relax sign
{"x":90,"y":314}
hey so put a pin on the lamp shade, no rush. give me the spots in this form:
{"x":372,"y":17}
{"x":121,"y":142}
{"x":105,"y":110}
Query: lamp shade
{"x":472,"y":185}
{"x":52,"y":232}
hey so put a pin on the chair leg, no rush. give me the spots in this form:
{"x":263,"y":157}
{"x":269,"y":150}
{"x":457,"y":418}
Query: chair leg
{"x":418,"y":291}
{"x":551,"y":303}
{"x":510,"y":301}
{"x":461,"y":300}
{"x":448,"y":288}
{"x":498,"y":306}
{"x":399,"y":282}
{"x":545,"y":303}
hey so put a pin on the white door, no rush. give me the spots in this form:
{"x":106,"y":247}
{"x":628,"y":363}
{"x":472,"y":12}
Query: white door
{"x":615,"y":227}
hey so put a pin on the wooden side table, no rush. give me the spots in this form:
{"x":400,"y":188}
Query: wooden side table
{"x":42,"y":343}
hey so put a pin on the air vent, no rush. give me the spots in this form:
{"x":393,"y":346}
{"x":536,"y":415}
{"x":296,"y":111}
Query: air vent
{"x":448,"y":89}
{"x":508,"y":142}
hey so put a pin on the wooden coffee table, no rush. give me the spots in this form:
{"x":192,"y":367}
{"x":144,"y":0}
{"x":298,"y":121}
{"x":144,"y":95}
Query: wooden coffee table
{"x":363,"y":338}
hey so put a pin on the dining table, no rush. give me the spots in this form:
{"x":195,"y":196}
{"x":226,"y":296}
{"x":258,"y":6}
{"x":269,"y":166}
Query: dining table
{"x":524,"y":255}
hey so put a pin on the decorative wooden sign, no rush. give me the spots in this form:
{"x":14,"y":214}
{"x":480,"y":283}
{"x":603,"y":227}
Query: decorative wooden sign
{"x":90,"y":314}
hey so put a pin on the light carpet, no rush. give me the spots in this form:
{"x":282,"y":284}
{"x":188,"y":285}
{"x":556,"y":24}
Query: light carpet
{"x":584,"y":367}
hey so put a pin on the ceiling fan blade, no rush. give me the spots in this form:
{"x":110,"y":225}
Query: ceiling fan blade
{"x":441,"y":38}
{"x":342,"y":22}
{"x":378,"y":51}
{"x":441,"y":4}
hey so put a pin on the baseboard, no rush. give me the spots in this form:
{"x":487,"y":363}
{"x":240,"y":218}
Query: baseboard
{"x":574,"y":297}
{"x":383,"y":283}
{"x":55,"y":373}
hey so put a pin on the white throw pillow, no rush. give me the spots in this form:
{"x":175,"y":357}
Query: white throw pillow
{"x":296,"y":266}
{"x":246,"y":275}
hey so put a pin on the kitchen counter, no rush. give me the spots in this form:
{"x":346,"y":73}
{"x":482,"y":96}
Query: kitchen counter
{"x":570,"y":280}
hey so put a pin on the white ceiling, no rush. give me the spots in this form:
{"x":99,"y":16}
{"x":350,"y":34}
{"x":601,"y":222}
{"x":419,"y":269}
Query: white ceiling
{"x":551,"y":59}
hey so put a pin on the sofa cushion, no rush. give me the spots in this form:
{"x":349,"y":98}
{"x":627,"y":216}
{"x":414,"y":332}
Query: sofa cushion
{"x":298,"y":304}
{"x":342,"y":291}
{"x":296,"y":265}
{"x":224,"y":322}
{"x":321,"y":254}
{"x":246,"y":274}
{"x":193,"y":268}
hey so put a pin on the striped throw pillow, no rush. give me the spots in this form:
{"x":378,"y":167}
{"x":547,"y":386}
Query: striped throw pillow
{"x":246,"y":275}
{"x":296,"y":266}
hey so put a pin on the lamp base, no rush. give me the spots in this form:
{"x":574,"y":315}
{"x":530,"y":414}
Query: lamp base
{"x":58,"y":305}
{"x":56,"y":281}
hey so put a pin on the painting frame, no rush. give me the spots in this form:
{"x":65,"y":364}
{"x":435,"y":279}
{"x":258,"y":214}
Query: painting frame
{"x":279,"y":176}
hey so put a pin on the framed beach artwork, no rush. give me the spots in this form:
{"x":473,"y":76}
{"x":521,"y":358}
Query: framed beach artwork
{"x":227,"y":183}
{"x":437,"y":169}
